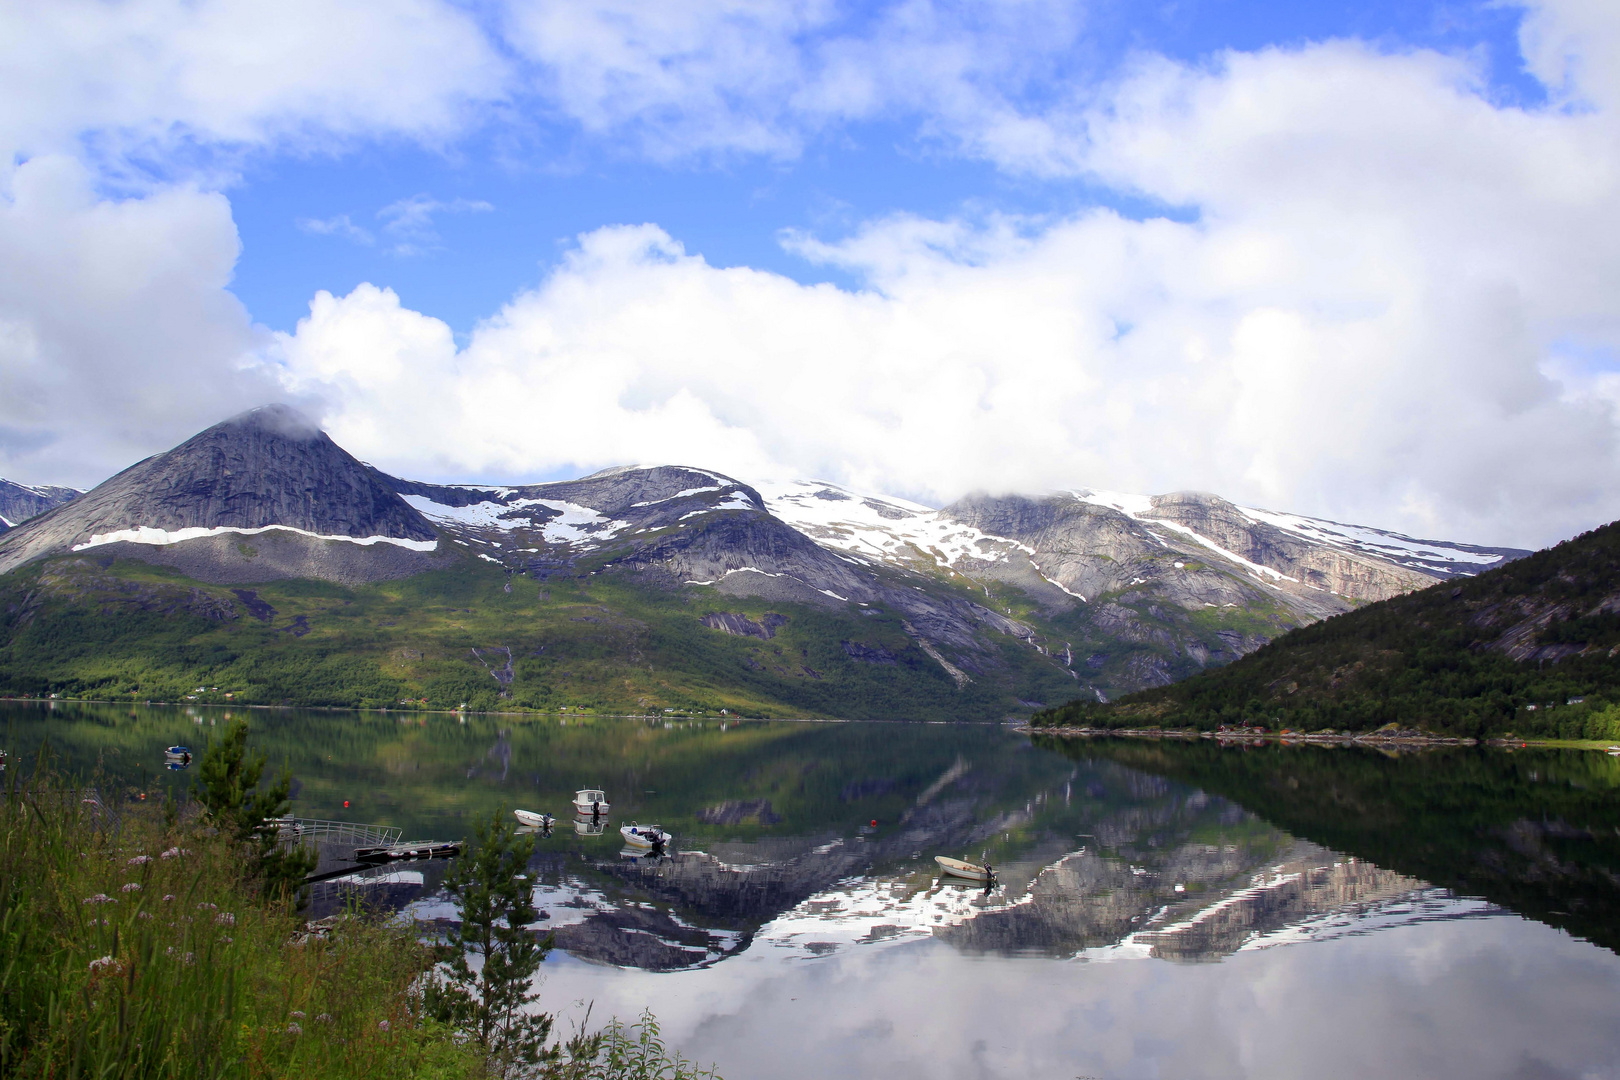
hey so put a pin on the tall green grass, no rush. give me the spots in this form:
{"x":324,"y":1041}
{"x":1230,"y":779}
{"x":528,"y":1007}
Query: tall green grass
{"x":133,"y":944}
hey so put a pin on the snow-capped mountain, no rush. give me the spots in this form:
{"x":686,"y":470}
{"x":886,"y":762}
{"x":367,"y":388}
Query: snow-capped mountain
{"x":1267,"y":546}
{"x":1107,"y":592}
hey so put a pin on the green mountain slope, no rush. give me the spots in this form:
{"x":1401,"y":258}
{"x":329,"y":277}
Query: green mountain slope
{"x":1529,"y":648}
{"x":472,"y":634}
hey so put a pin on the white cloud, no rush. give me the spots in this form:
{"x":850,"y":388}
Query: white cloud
{"x":169,"y":78}
{"x":1372,"y":316}
{"x":409,"y":221}
{"x":117,"y":334}
{"x":1369,"y":319}
{"x":340,"y":225}
{"x":751,"y":77}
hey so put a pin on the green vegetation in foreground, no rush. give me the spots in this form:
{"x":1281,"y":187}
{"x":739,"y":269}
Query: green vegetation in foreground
{"x":1421,"y":660}
{"x":135,"y":944}
{"x":136,"y":632}
{"x":1536,"y":831}
{"x":134,"y":947}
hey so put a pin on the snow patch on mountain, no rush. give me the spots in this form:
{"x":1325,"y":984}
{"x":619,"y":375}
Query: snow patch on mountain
{"x":1422,"y":554}
{"x":573,"y":523}
{"x":879,"y":525}
{"x":145,"y":534}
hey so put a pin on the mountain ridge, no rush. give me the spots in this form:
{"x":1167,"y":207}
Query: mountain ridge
{"x":1103,"y":593}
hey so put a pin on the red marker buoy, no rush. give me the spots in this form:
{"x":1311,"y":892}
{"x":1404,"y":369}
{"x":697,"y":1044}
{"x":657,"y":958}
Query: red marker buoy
{"x":345,"y":804}
{"x":874,"y":823}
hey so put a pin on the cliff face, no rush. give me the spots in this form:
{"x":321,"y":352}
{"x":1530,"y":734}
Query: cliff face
{"x":1316,"y":565}
{"x":19,"y":502}
{"x":268,"y":467}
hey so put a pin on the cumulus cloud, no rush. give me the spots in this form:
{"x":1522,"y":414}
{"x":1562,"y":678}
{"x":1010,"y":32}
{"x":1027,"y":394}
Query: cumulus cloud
{"x":117,"y":334}
{"x":1390,"y":306}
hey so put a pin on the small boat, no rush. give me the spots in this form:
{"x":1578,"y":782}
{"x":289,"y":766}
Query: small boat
{"x":965,"y":870}
{"x":1613,"y":751}
{"x":590,"y":802}
{"x":399,"y":852}
{"x":538,"y":820}
{"x":643,"y":836}
{"x":182,"y":754}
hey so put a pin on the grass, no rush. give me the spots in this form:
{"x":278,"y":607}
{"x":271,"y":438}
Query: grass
{"x":132,"y":946}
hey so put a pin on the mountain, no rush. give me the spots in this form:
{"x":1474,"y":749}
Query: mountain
{"x":1527,"y":648}
{"x":19,"y":502}
{"x":692,"y":587}
{"x":268,"y":474}
{"x":1138,"y":590}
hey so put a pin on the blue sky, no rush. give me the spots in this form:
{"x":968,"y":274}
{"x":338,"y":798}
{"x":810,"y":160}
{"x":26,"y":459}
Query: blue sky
{"x":1346,"y":259}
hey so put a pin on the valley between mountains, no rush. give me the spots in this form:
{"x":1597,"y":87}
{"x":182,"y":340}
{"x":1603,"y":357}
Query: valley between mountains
{"x":259,"y":562}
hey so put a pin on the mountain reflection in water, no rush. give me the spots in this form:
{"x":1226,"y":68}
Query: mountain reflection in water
{"x":1145,"y":890}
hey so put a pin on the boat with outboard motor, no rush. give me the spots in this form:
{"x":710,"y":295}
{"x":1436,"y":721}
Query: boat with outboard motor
{"x":965,"y":870}
{"x":539,"y":820}
{"x":643,"y":836}
{"x":590,"y":801}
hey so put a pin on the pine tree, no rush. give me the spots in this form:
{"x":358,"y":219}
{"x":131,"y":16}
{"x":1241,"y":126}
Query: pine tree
{"x":490,"y":886}
{"x":228,"y":788}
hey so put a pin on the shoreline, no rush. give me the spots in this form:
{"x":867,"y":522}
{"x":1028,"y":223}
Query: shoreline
{"x":1400,"y":740}
{"x":532,"y":713}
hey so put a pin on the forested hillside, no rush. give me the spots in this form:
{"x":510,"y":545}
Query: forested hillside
{"x":1528,"y":648}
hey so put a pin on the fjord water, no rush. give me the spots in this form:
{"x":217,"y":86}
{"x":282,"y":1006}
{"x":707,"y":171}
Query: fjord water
{"x":1165,"y":909}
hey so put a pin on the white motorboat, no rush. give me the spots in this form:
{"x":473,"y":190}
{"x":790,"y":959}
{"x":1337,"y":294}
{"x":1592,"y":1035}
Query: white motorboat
{"x":643,"y":836}
{"x":965,"y":870}
{"x":590,"y":801}
{"x":530,"y":817}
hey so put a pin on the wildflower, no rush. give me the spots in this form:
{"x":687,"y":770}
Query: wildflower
{"x":225,"y":918}
{"x":175,"y":853}
{"x":105,"y":962}
{"x":99,"y":898}
{"x":168,"y":896}
{"x":140,"y":860}
{"x":133,"y":886}
{"x":226,"y":938}
{"x":325,"y":1018}
{"x":294,"y":1029}
{"x":206,"y":905}
{"x":297,"y":1014}
{"x":383,"y":1024}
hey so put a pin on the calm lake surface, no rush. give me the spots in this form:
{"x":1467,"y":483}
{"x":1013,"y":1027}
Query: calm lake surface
{"x":1165,"y":910}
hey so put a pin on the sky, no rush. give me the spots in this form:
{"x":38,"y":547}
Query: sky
{"x":1354,"y":260}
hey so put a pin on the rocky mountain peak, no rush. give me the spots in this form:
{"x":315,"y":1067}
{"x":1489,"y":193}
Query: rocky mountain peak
{"x":271,"y":467}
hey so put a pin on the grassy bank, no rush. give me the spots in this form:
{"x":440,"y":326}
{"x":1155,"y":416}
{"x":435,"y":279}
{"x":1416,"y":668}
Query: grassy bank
{"x":132,"y":945}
